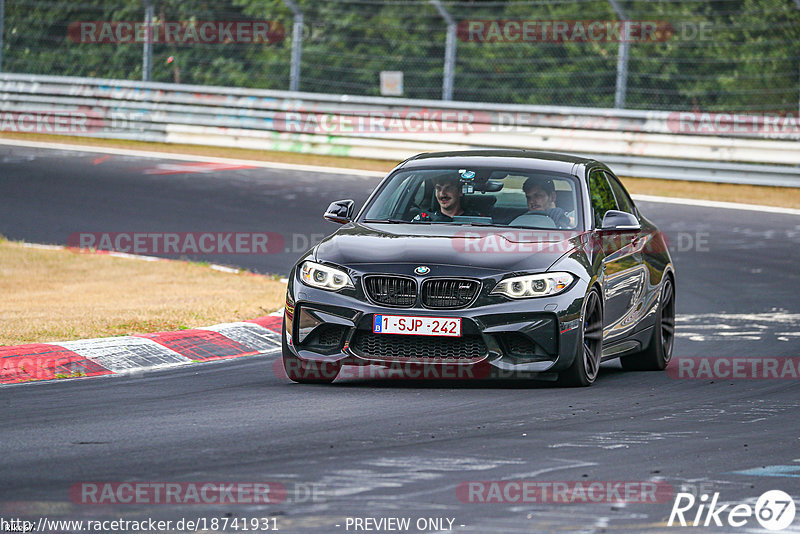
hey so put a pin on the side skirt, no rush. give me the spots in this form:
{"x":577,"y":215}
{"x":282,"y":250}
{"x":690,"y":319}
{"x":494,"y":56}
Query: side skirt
{"x":633,"y":344}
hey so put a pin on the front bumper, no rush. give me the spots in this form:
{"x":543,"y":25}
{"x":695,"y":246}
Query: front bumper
{"x":529,"y":336}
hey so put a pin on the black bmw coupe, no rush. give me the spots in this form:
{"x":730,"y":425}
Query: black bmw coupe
{"x":498,"y":262}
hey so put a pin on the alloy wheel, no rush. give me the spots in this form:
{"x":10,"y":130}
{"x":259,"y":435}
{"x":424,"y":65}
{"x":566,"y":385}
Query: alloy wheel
{"x":592,"y":335}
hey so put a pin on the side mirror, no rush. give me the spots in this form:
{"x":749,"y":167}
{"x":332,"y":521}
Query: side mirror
{"x":619,"y":220}
{"x":340,"y":211}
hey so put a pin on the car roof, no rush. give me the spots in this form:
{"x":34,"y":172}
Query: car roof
{"x":544,"y":161}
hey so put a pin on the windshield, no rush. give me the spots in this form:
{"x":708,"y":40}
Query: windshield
{"x":478,"y":196}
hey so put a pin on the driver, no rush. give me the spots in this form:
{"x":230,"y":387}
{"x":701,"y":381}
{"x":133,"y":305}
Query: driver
{"x":541,"y":195}
{"x":448,"y":196}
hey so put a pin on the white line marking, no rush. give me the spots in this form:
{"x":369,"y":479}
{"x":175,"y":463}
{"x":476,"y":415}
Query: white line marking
{"x":194,"y":168}
{"x":354,"y":172}
{"x":128,"y":256}
{"x":716,"y":204}
{"x":776,"y":316}
{"x":190,"y":157}
{"x":42,"y":246}
{"x":224,"y":269}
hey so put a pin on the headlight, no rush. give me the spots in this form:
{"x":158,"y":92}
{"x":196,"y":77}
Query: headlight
{"x":533,"y":285}
{"x":324,"y":277}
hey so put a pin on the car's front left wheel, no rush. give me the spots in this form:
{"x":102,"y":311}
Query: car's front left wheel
{"x":586,"y":365}
{"x":307,"y":372}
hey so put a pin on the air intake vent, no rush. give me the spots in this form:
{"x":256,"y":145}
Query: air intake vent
{"x":448,"y":293}
{"x":391,"y":290}
{"x":328,"y":336}
{"x":518,"y":344}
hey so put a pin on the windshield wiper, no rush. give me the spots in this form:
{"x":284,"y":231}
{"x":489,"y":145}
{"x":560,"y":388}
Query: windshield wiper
{"x":391,"y":221}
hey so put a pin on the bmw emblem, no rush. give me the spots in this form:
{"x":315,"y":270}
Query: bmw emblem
{"x":422,"y":270}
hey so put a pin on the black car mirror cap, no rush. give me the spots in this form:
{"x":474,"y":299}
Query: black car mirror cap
{"x":620,"y":220}
{"x":340,"y":211}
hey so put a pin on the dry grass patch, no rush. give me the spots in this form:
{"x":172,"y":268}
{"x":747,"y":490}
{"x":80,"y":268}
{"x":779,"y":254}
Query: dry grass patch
{"x":784,"y":197}
{"x":58,"y":295}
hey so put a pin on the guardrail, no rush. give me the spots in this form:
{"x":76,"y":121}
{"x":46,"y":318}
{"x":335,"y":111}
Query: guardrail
{"x":761,"y":150}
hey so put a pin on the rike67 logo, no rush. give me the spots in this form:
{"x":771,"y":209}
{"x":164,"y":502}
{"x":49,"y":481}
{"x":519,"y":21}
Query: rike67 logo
{"x":774,"y":510}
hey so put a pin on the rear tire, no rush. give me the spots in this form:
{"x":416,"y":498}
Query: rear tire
{"x":307,"y":372}
{"x":659,"y":352}
{"x":586,"y":365}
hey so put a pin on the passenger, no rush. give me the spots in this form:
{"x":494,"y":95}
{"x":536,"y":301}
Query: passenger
{"x":541,"y":195}
{"x":448,"y":196}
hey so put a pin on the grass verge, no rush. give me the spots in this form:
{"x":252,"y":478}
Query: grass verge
{"x":785,"y":197}
{"x":782,"y":197}
{"x":59,"y":295}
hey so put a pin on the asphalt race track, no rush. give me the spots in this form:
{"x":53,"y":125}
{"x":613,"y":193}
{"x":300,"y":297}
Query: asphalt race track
{"x":371,"y":448}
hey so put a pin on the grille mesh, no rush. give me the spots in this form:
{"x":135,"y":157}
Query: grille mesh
{"x":448,"y":293}
{"x":406,"y":347}
{"x":516,"y":343}
{"x":391,"y":290}
{"x":330,"y":335}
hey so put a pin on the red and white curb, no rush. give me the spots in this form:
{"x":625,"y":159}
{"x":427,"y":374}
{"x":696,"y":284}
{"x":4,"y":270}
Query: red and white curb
{"x":117,"y":355}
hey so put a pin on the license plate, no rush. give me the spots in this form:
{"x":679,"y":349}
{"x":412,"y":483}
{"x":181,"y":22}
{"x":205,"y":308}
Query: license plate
{"x":417,"y":326}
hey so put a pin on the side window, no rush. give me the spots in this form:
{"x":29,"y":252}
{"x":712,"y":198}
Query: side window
{"x":623,"y":200}
{"x":392,"y":205}
{"x":601,"y":195}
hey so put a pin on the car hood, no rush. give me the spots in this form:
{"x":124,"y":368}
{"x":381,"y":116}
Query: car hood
{"x":500,"y":249}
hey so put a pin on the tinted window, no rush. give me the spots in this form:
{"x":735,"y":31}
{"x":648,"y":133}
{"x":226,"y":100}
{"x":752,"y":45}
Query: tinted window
{"x":393,"y":199}
{"x":601,"y":195}
{"x":623,"y":200}
{"x":484,"y":196}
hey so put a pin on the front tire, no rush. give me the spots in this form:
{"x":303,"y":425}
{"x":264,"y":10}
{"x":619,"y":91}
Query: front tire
{"x":307,"y":372}
{"x":586,"y":365}
{"x":659,"y":352}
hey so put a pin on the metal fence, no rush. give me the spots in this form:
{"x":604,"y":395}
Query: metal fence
{"x":714,"y":55}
